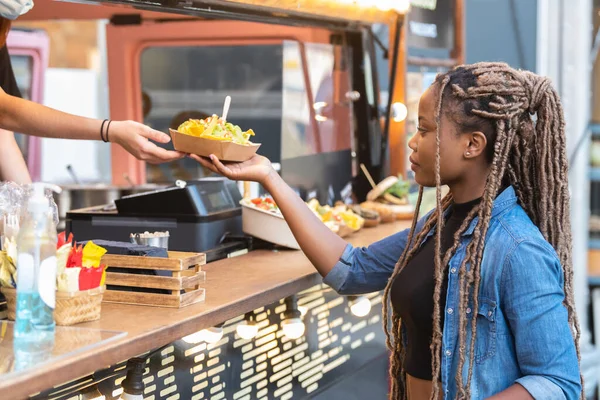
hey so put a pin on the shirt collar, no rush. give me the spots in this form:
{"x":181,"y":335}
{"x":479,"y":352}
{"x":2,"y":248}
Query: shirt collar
{"x":505,"y":200}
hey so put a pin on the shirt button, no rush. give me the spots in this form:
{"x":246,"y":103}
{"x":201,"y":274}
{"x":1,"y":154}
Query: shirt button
{"x":448,"y":353}
{"x":468,"y":311}
{"x":453,"y":270}
{"x":489,"y":313}
{"x":450,"y":311}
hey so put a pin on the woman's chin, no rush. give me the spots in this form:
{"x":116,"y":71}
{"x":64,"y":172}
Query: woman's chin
{"x":423,"y":181}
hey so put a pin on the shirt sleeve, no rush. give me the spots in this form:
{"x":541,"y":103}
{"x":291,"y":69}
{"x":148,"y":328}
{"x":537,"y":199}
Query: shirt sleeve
{"x":532,"y":285}
{"x":368,"y":269}
{"x":8,"y":82}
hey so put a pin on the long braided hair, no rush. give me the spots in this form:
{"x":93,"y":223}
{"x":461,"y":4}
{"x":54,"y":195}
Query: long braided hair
{"x":531,"y":156}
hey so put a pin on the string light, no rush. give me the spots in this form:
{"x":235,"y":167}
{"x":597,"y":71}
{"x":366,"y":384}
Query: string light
{"x":399,"y":112}
{"x":208,"y":335}
{"x":360,"y":306}
{"x":247,"y":329}
{"x":400,"y":6}
{"x":214,"y":334}
{"x":292,"y":324}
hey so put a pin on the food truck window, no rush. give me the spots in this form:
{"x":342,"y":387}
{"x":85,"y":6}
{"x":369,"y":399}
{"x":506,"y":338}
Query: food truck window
{"x":292,"y":94}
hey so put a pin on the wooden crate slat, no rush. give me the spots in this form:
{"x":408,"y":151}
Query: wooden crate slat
{"x":153,"y":282}
{"x":129,"y":265}
{"x":147,"y":299}
{"x":188,"y":259}
{"x":153,"y":299}
{"x":169,"y":264}
{"x":143,"y":281}
{"x":192,"y":281}
{"x":193,"y":297}
{"x":177,"y":261}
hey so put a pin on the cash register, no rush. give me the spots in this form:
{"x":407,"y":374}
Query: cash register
{"x":200,"y":216}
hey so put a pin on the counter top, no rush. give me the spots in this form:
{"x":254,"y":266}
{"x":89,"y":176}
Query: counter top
{"x":233,"y":287}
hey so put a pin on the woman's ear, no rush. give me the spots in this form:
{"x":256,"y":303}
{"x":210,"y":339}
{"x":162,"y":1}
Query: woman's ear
{"x":476,"y":143}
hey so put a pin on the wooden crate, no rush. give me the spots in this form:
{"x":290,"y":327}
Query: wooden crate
{"x":183,"y":270}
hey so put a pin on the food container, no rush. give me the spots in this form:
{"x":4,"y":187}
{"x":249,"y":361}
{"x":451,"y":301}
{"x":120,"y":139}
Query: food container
{"x":156,"y":239}
{"x":225,"y":151}
{"x":268,"y":226}
{"x":71,"y":307}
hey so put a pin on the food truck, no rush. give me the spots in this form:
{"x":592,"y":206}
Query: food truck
{"x":228,"y":314}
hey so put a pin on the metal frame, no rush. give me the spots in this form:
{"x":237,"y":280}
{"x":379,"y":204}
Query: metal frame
{"x":218,"y":9}
{"x":393,"y":76}
{"x":364,"y":115}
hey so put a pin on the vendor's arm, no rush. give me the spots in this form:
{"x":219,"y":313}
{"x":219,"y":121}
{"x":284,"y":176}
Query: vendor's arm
{"x":34,"y":119}
{"x":12,"y":164}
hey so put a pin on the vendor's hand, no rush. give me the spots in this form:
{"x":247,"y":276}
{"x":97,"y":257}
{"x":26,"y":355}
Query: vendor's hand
{"x":256,"y":169}
{"x":134,"y":137}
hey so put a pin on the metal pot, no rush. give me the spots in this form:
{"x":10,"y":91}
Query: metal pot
{"x":75,"y":197}
{"x":157,"y":241}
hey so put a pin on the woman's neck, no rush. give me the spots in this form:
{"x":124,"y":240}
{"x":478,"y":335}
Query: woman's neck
{"x":465,"y":192}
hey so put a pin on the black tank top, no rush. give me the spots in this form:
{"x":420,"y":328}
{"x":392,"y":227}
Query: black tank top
{"x":412,"y":294}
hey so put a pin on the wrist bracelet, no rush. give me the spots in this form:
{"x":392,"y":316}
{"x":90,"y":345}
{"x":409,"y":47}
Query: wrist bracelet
{"x":107,"y":128}
{"x":102,"y":131}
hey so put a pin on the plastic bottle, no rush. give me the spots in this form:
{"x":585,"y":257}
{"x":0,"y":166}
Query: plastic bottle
{"x":36,"y":278}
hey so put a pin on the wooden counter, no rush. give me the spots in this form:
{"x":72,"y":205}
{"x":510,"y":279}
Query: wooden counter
{"x":233,"y":287}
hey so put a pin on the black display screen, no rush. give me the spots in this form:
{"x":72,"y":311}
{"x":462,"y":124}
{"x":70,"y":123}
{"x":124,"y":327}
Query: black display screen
{"x":217,"y":201}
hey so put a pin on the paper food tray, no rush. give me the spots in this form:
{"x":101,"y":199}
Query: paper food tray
{"x":225,"y":151}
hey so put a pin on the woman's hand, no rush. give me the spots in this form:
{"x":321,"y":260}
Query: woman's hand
{"x":256,"y":169}
{"x":134,"y":137}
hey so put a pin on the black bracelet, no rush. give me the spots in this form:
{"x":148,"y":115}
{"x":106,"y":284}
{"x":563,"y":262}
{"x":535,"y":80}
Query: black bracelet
{"x":107,"y":128}
{"x":102,"y":131}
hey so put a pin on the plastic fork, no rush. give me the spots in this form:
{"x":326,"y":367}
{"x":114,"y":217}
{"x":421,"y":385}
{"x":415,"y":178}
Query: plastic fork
{"x":11,"y":226}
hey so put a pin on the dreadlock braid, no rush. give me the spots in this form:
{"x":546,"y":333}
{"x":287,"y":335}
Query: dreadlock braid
{"x":530,"y":156}
{"x":438,"y":274}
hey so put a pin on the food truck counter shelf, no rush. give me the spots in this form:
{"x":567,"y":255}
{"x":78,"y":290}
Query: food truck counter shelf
{"x":234,"y":286}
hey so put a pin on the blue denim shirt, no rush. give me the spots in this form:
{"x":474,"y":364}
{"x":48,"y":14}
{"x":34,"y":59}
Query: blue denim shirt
{"x":523,"y":335}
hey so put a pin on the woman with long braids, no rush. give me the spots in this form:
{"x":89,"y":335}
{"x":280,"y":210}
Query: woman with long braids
{"x":479,"y":292}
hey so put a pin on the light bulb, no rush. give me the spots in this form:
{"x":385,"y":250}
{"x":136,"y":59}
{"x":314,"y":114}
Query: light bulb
{"x":194,"y":338}
{"x":247,"y":330}
{"x":293,"y":328}
{"x":401,"y":6}
{"x":399,"y":112}
{"x":361,"y":306}
{"x":127,"y":396}
{"x":213,"y":335}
